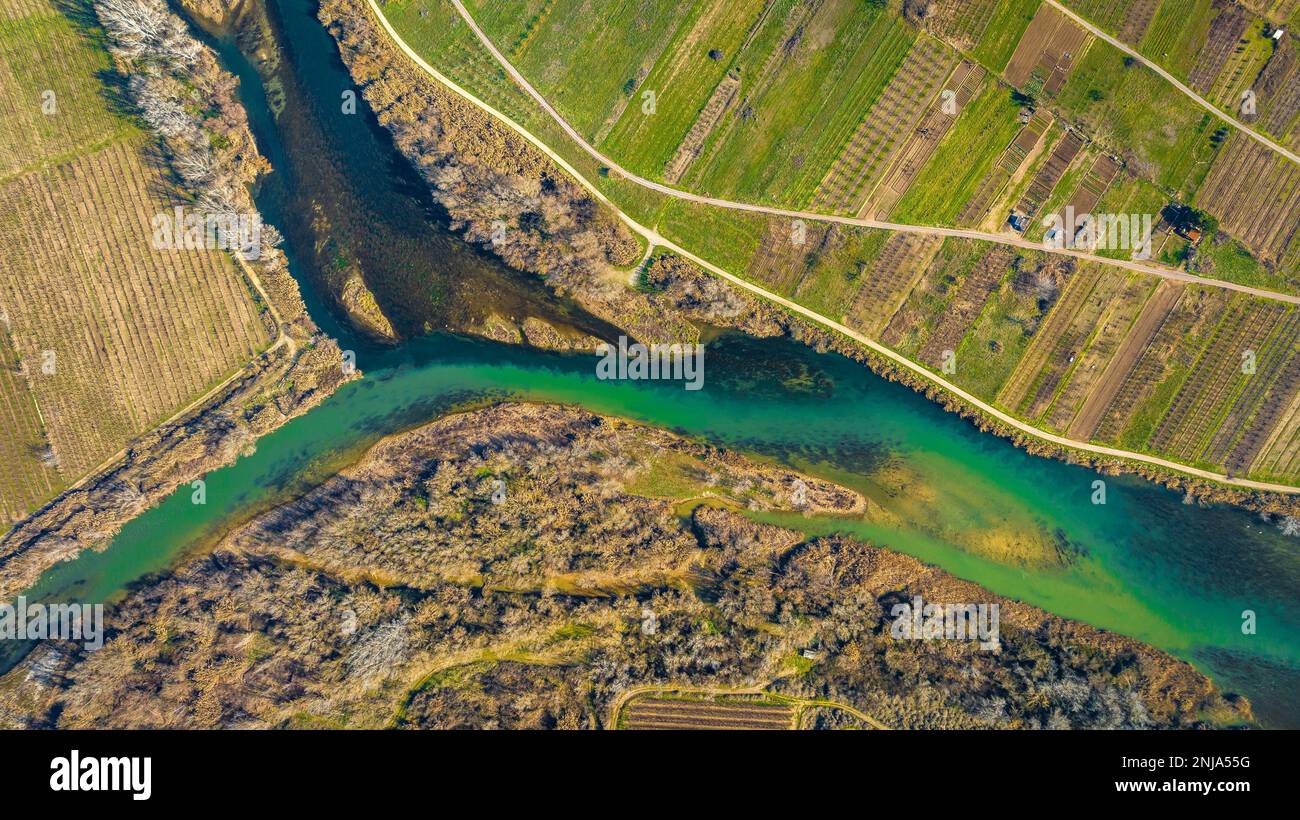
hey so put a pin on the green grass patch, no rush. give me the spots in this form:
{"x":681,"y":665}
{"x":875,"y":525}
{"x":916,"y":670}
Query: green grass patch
{"x":579,"y":58}
{"x":1162,"y":135}
{"x":992,"y":348}
{"x":964,"y":157}
{"x":1003,"y":33}
{"x":838,"y":269}
{"x":1176,"y":35}
{"x":727,"y":238}
{"x":793,"y":123}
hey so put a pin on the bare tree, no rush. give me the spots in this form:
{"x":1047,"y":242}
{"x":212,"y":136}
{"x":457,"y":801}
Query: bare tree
{"x":146,"y":29}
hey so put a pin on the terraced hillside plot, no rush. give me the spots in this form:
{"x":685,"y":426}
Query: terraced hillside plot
{"x":665,"y":713}
{"x":887,"y":126}
{"x":1047,"y":51}
{"x":801,"y":102}
{"x":1255,"y":194}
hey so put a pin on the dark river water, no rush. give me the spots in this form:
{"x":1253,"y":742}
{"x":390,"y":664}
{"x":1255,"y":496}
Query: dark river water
{"x":1143,"y":564}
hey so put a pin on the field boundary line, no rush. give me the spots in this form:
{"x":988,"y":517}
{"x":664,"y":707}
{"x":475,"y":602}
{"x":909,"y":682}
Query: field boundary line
{"x":655,"y":238}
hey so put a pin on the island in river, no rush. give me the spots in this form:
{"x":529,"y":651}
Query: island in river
{"x":521,"y":565}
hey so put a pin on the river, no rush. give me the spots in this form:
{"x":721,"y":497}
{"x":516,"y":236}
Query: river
{"x":1142,"y":564}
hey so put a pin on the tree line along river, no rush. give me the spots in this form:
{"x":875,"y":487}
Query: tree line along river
{"x":1143,"y":564}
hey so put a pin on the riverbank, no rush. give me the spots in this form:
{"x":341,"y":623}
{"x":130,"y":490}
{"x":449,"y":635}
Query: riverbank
{"x":396,"y":82}
{"x":522,"y":565}
{"x":290,"y":377}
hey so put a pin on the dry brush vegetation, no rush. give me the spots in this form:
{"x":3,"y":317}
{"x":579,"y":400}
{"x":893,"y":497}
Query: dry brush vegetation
{"x":399,"y":593}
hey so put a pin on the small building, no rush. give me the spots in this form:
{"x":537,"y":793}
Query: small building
{"x":1018,"y":221}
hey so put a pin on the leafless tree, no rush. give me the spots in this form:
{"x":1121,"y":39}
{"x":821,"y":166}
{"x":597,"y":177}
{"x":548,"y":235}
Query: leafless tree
{"x":145,"y":30}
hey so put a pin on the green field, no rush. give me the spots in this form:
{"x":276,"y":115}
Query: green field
{"x":962,"y":160}
{"x":1130,"y":109}
{"x":1010,"y":20}
{"x":997,"y":340}
{"x":703,"y":49}
{"x":1175,"y":36}
{"x":808,"y":94}
{"x":580,"y":60}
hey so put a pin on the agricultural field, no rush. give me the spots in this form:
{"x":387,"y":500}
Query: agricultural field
{"x":805,"y":98}
{"x":1062,"y":157}
{"x":922,"y":144}
{"x":962,"y":160}
{"x":915,"y":321}
{"x":701,"y":713}
{"x":1277,"y":93}
{"x":1049,"y":49}
{"x":1107,"y":15}
{"x":103,"y":335}
{"x":1163,"y":137}
{"x":837,"y":267}
{"x":987,"y":30}
{"x":586,"y":84}
{"x":1255,"y":194}
{"x":890,"y":127}
{"x":1176,"y":34}
{"x":1238,"y":364}
{"x":1137,"y":20}
{"x":1006,"y":181}
{"x":894,"y":274}
{"x":1081,"y":348}
{"x":694,"y":87}
{"x":783,"y":254}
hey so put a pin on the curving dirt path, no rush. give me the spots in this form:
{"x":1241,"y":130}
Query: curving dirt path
{"x":813,"y":216}
{"x":1201,"y":101}
{"x":655,"y":238}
